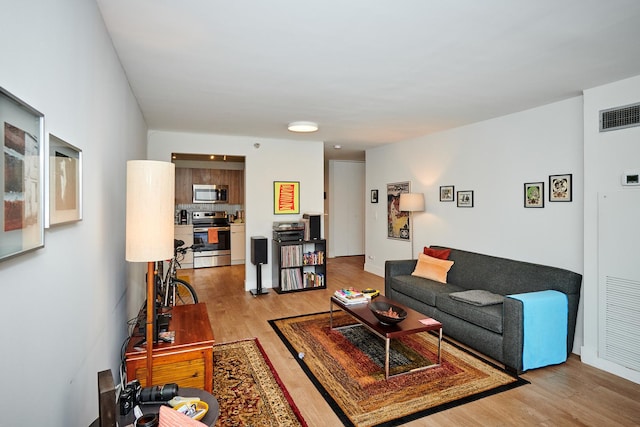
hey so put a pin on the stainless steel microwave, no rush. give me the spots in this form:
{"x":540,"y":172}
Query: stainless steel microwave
{"x":203,"y":193}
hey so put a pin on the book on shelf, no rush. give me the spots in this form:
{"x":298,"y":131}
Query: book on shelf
{"x":350,"y":296}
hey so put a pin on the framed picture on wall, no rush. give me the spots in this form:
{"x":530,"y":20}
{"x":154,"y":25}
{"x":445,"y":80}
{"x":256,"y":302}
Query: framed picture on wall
{"x":446,"y":193}
{"x":22,"y":136}
{"x":534,"y":195}
{"x":560,"y":188}
{"x":397,"y":221}
{"x":65,"y":182}
{"x":465,"y":199}
{"x":286,"y":197}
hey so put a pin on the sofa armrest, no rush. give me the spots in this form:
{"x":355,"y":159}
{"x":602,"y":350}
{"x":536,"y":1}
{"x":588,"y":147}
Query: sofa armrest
{"x":512,"y":333}
{"x":394,"y":268}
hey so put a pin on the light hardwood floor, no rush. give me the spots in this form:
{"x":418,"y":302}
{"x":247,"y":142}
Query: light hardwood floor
{"x":569,"y":394}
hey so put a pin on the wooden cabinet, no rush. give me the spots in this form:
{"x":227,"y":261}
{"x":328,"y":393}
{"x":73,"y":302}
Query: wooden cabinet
{"x":184,"y":182}
{"x":188,"y":361}
{"x":238,"y":244}
{"x":186,"y":177}
{"x":185,"y":233}
{"x":236,"y":186}
{"x":299,"y":265}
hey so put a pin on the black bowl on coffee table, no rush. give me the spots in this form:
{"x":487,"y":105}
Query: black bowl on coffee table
{"x":381,"y":311}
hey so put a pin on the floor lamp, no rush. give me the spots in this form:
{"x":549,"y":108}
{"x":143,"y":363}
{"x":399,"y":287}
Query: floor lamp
{"x":149,"y":228}
{"x":411,"y":202}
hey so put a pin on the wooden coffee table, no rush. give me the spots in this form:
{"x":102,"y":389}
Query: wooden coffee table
{"x":411,"y":325}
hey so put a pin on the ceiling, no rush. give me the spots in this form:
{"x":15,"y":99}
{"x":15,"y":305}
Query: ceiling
{"x":369,"y":72}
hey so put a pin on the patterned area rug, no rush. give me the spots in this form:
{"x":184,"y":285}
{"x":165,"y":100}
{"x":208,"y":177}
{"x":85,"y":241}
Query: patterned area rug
{"x":248,"y":388}
{"x":347,"y":365}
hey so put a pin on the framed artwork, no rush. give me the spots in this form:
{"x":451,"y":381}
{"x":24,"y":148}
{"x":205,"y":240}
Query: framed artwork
{"x":65,"y":182}
{"x":286,"y":197}
{"x":22,"y":136}
{"x":560,"y":188}
{"x":465,"y":199}
{"x":534,"y":195}
{"x":397,"y":221}
{"x":447,"y":193}
{"x":374,"y":196}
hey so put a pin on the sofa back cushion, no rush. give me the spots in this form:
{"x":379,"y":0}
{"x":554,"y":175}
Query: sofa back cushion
{"x":506,"y":276}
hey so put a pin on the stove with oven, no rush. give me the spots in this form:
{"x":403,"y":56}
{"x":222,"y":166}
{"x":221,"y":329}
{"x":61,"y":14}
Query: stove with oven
{"x":212,"y":232}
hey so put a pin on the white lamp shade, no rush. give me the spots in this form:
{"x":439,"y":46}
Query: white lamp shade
{"x":150,"y":210}
{"x":412,"y":202}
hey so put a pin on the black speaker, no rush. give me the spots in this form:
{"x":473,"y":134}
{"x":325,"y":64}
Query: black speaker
{"x":314,"y":226}
{"x":258,"y":250}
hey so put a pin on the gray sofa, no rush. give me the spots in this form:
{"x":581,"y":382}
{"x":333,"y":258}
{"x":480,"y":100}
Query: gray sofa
{"x":494,"y":330}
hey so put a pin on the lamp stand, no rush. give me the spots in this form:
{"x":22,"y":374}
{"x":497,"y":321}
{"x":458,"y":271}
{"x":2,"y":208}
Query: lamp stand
{"x":151,"y":305}
{"x":411,"y":230}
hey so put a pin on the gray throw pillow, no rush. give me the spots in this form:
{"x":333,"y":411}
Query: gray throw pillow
{"x":477,"y":297}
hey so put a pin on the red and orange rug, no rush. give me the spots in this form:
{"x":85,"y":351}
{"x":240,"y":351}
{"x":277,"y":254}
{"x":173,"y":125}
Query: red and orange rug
{"x":346,"y":365}
{"x":248,"y":388}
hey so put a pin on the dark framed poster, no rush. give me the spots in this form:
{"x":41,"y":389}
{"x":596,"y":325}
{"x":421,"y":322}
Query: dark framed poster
{"x":397,"y":221}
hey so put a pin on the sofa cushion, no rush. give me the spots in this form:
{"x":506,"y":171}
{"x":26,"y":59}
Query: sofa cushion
{"x":478,"y":297}
{"x":487,"y":317}
{"x":437,"y":253}
{"x":424,"y":290}
{"x":432,"y":268}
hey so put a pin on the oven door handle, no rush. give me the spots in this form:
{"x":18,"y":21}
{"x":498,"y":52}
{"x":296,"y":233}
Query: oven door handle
{"x":199,"y":230}
{"x":222,"y":228}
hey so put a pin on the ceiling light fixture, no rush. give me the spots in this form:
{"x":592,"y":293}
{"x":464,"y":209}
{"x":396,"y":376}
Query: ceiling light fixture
{"x":337,"y":146}
{"x":303,"y":127}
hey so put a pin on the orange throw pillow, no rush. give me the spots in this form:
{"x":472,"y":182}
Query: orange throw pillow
{"x":432,"y":268}
{"x":437,"y":253}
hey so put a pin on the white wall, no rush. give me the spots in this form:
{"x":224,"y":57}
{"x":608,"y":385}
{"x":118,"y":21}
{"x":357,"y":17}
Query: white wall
{"x":65,"y":306}
{"x":607,"y":155}
{"x":274,"y":160}
{"x":493,"y":158}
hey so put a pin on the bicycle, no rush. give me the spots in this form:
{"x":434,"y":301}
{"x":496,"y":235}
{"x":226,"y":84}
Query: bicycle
{"x":170,"y":290}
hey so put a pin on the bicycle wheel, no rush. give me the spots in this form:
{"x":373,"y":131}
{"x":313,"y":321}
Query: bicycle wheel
{"x":185,"y":294}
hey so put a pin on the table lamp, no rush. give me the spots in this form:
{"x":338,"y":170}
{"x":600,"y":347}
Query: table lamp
{"x":411,"y":202}
{"x":150,"y":228}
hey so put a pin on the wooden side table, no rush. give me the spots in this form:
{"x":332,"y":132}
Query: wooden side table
{"x":188,"y":361}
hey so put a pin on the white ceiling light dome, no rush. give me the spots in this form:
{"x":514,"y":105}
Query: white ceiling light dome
{"x":303,"y":126}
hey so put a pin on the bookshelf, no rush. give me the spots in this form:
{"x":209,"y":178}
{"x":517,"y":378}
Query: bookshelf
{"x":299,"y":265}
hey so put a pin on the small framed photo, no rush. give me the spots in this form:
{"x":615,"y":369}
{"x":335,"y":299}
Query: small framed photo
{"x":447,"y":193}
{"x":374,"y":196}
{"x":534,"y":195}
{"x":560,"y":188}
{"x":465,"y":199}
{"x":65,"y":182}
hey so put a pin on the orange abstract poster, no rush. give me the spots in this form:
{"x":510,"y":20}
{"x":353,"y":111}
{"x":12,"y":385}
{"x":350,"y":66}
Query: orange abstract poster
{"x":286,"y":197}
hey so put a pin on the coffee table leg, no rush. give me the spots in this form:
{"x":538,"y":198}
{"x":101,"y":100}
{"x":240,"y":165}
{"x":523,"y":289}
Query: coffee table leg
{"x":439,"y":347}
{"x":386,"y":358}
{"x":330,"y":314}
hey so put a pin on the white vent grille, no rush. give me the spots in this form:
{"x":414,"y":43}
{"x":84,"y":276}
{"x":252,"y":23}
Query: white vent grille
{"x":620,"y":117}
{"x":622,"y":337}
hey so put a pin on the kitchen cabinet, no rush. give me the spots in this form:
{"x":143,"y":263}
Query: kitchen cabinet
{"x":238,"y":244}
{"x":185,"y":233}
{"x":184,"y":182}
{"x":186,"y":177}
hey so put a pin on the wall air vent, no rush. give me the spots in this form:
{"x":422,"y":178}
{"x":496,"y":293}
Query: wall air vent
{"x":620,"y":117}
